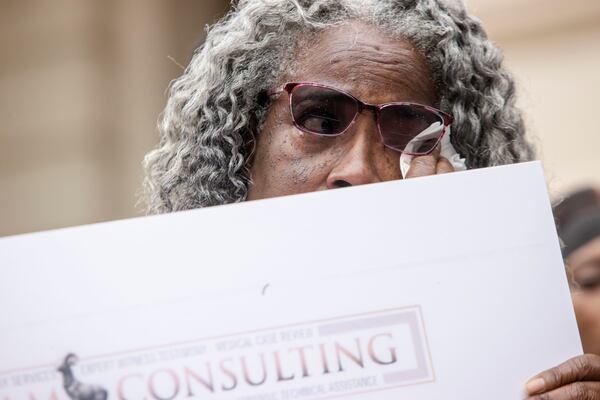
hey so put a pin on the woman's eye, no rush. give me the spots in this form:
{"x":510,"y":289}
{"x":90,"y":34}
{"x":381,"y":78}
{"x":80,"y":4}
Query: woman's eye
{"x":589,"y":283}
{"x":320,"y":122}
{"x":587,"y":276}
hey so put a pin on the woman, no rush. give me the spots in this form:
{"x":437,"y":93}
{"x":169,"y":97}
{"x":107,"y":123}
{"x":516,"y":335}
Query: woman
{"x":578,"y":222}
{"x":291,"y":96}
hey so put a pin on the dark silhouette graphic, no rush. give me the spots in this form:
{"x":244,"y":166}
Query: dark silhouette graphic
{"x":75,"y":389}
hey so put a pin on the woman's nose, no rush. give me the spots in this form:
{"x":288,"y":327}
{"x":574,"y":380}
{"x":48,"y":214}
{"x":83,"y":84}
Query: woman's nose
{"x":357,"y":162}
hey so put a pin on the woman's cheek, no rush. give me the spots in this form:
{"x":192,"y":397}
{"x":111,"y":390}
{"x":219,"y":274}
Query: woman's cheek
{"x":587,"y":311}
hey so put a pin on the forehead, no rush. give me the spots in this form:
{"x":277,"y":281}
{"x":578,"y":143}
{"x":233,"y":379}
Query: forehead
{"x":366,"y":62}
{"x":588,"y":253}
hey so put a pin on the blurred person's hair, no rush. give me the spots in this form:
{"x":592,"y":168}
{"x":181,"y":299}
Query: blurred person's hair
{"x":575,"y":203}
{"x":578,"y":219}
{"x":216,"y":109}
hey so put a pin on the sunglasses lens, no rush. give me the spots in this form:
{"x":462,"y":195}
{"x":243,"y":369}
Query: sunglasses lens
{"x":322,"y":110}
{"x":411,"y":129}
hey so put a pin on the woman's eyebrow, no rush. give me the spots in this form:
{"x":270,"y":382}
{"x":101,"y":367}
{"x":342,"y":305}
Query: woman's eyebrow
{"x":585,"y":253}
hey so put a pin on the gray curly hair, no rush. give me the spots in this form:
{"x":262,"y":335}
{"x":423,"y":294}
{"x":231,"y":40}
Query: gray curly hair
{"x":216,"y":108}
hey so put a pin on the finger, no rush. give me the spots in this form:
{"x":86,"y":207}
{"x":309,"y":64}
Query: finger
{"x":424,"y":165}
{"x":444,"y":166}
{"x":581,"y":368}
{"x":573,"y":391}
{"x":437,"y":151}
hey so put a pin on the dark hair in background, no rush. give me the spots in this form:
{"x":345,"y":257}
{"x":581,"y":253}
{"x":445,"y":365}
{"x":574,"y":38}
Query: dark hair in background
{"x":578,"y":219}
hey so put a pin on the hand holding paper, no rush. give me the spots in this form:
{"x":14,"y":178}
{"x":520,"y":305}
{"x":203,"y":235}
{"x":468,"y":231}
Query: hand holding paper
{"x":575,"y":379}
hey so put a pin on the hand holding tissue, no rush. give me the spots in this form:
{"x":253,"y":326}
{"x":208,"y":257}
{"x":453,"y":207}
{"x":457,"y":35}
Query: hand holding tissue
{"x":447,"y":150}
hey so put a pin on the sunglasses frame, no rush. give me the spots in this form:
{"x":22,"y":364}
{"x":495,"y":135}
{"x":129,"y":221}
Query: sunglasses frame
{"x":290,"y":87}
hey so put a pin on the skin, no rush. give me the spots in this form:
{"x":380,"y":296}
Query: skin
{"x":584,"y":270}
{"x":376,"y":69}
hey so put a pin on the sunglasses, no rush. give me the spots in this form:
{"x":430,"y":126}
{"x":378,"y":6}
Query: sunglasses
{"x":409,"y":128}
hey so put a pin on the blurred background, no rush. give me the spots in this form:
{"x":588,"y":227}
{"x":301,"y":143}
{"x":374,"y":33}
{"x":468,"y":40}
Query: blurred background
{"x":82,"y":83}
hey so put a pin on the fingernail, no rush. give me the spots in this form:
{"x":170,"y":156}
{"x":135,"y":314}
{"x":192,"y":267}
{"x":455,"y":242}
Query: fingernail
{"x":535,"y":386}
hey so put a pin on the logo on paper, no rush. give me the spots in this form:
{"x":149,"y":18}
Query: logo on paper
{"x":312,"y":360}
{"x":77,"y":390}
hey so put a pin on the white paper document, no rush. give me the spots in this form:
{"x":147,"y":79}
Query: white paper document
{"x":443,"y":287}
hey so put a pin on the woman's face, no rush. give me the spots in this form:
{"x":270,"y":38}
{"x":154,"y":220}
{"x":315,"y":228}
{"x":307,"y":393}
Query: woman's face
{"x":371,"y":66}
{"x":584,"y":270}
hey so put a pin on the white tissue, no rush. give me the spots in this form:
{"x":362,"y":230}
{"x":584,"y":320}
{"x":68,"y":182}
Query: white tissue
{"x":448,"y":151}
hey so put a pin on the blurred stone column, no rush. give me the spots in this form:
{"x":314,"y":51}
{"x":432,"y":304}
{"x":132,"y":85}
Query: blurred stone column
{"x":82,"y":84}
